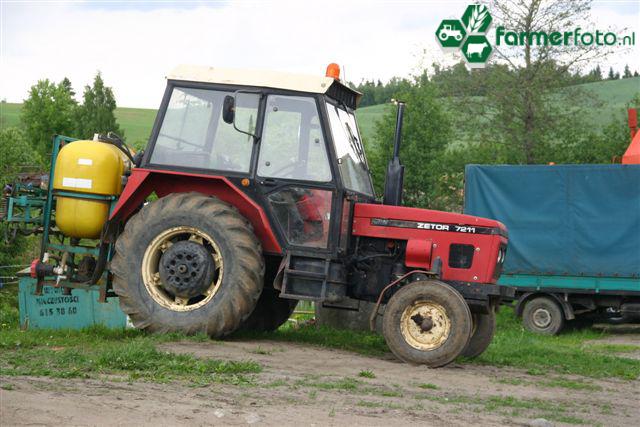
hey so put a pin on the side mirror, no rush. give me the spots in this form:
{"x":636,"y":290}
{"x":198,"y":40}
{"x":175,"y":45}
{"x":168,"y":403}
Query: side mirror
{"x":229,"y":109}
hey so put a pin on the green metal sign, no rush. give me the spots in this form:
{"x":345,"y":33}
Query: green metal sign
{"x":56,"y":310}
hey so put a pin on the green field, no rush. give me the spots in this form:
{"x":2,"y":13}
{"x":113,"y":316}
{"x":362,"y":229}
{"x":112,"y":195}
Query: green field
{"x":137,"y":122}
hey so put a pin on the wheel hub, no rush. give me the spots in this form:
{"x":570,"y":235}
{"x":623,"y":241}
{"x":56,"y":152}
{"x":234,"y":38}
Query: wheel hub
{"x":425,"y":325}
{"x":542,"y":317}
{"x":186,"y":269}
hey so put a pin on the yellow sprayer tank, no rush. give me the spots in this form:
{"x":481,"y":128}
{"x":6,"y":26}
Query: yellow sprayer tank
{"x":87,"y":167}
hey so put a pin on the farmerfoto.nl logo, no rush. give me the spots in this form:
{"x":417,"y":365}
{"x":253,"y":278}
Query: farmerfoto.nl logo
{"x":469,"y":35}
{"x":564,"y":38}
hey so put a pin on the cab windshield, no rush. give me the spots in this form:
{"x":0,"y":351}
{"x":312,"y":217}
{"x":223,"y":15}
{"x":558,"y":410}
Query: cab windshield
{"x":352,"y":162}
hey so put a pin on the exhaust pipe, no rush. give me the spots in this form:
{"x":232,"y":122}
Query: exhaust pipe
{"x":394,"y":179}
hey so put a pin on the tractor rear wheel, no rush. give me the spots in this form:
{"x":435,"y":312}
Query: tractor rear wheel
{"x":484,"y":327}
{"x":189,"y":263}
{"x":427,"y":322}
{"x":270,"y":313}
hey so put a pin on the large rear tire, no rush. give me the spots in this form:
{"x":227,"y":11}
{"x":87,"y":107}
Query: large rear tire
{"x":188,"y":263}
{"x":484,"y":328}
{"x":427,"y":323}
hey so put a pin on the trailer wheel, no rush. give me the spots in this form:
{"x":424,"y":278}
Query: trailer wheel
{"x":270,"y":313}
{"x":188,"y":263}
{"x":542,"y":315}
{"x":427,"y":322}
{"x":484,"y":327}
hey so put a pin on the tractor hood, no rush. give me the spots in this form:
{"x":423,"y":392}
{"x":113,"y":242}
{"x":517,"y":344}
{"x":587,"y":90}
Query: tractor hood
{"x":424,"y":219}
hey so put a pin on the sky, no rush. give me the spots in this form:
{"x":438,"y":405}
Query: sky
{"x":136,"y":44}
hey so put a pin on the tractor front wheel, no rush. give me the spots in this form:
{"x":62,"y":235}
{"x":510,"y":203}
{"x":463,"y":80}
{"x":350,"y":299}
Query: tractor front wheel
{"x":484,"y":327}
{"x":427,"y":323}
{"x":188,"y":263}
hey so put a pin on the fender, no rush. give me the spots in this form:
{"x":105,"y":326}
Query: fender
{"x":566,"y":307}
{"x":143,"y":182}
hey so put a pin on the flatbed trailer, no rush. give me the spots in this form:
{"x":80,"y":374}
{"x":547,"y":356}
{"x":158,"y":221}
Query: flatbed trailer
{"x":574,"y":233}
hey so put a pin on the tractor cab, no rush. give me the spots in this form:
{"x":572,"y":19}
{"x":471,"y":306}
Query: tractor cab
{"x":290,"y":143}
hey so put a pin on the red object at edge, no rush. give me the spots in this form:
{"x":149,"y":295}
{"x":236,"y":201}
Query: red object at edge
{"x":632,"y":155}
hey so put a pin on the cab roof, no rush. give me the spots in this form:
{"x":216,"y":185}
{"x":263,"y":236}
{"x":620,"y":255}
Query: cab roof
{"x":267,"y":78}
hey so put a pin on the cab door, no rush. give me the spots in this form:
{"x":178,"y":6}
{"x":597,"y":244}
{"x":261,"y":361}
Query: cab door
{"x":294,"y":173}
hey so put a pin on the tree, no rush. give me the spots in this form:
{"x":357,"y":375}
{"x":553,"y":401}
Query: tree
{"x":523,"y":108}
{"x":627,"y":72}
{"x":425,"y":134}
{"x":374,"y":93}
{"x":611,"y":75}
{"x":48,"y":110}
{"x":66,"y":84}
{"x":96,"y":113}
{"x":635,"y":74}
{"x":15,"y":152}
{"x":594,"y":75}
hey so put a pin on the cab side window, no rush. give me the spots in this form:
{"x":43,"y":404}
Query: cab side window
{"x":193,"y":134}
{"x":292,"y":145}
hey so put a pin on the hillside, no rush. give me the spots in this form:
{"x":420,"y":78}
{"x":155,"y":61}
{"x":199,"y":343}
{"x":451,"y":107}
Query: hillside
{"x":137,"y":122}
{"x":614,"y":96}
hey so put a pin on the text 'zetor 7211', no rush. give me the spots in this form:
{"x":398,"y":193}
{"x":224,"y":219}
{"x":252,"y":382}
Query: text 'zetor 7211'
{"x":254,"y":192}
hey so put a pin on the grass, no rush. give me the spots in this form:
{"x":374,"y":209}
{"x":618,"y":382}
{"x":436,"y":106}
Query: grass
{"x":567,"y":353}
{"x":366,"y":374}
{"x":135,"y":122}
{"x":569,"y":384}
{"x":614,"y":348}
{"x":345,"y":384}
{"x":509,"y":405}
{"x":133,"y":359}
{"x":428,"y":386}
{"x":367,"y":118}
{"x":97,"y":351}
{"x":261,"y":351}
{"x":365,"y":343}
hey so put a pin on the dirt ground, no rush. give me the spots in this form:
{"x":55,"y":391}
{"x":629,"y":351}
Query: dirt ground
{"x":307,"y":385}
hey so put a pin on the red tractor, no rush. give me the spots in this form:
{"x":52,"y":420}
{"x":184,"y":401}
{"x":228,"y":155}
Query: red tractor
{"x":253,"y":193}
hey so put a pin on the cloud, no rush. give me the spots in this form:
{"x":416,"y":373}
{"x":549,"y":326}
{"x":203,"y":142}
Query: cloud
{"x":136,"y":45}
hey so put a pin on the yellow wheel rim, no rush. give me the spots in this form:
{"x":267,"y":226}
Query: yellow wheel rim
{"x":151,"y":275}
{"x":425,"y":325}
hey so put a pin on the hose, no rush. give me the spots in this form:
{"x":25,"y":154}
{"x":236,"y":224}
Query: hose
{"x":115,"y":140}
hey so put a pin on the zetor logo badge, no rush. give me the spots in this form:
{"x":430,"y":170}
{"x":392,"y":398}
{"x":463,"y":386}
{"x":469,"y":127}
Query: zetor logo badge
{"x":468,"y":34}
